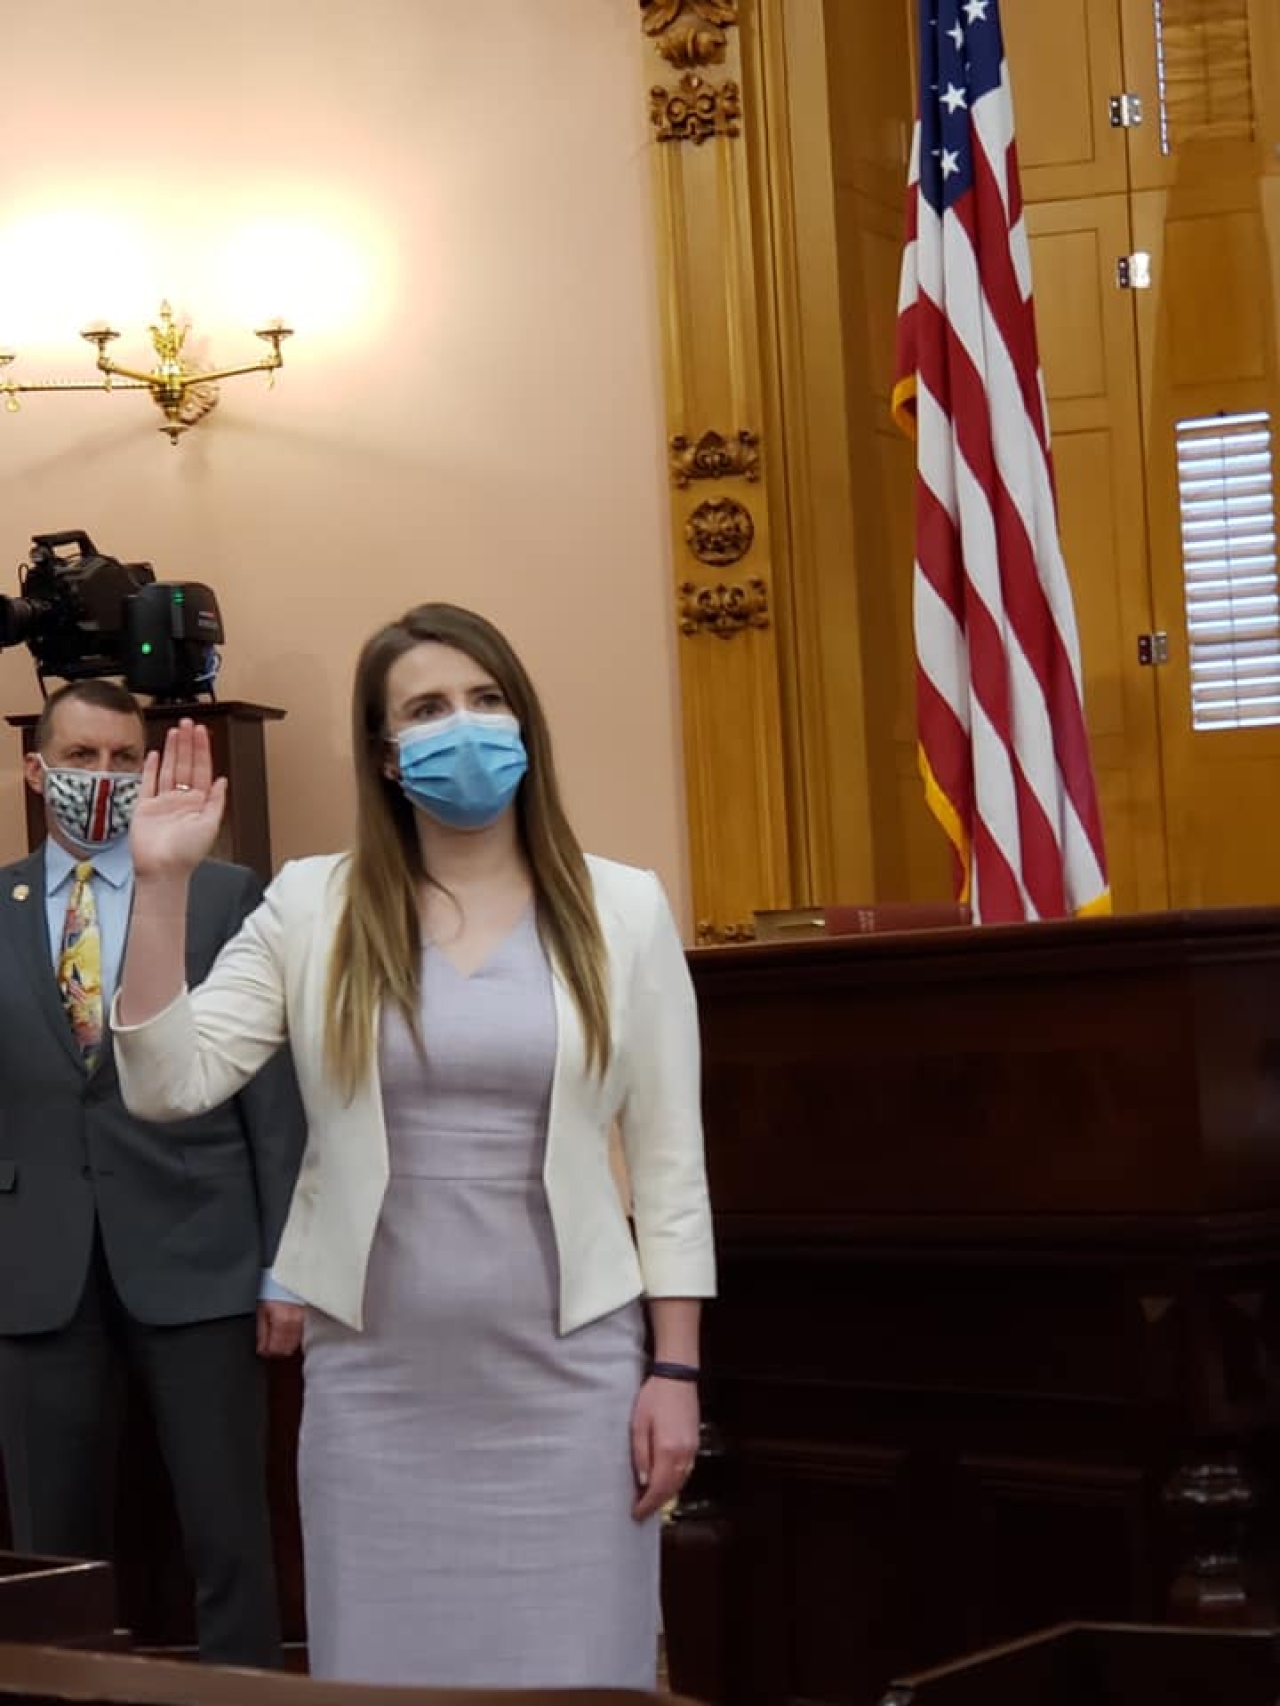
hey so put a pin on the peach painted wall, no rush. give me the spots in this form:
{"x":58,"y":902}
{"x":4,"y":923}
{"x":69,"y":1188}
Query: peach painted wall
{"x":450,"y":203}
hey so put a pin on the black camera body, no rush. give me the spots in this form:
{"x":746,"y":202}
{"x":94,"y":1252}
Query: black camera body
{"x":170,"y":630}
{"x":81,"y":613}
{"x":69,"y":610}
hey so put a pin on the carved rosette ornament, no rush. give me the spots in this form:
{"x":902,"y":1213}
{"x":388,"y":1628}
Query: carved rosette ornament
{"x":695,"y":110}
{"x":723,"y":610}
{"x":715,"y":458}
{"x":720,"y":532}
{"x":689,"y":33}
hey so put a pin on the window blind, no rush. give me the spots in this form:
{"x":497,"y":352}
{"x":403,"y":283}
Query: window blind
{"x":1229,"y":569}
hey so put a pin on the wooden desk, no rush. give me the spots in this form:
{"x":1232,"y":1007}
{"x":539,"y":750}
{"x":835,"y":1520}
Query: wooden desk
{"x":1108,"y":1665}
{"x":40,"y":1676}
{"x":57,"y":1600}
{"x":999,"y":1226}
{"x":998,"y":1215}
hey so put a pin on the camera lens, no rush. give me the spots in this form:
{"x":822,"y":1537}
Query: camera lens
{"x":19,"y":617}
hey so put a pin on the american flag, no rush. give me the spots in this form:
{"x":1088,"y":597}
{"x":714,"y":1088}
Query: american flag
{"x":1003,"y":748}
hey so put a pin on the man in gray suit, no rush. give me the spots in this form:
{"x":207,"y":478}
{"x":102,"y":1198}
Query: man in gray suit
{"x":124,"y":1244}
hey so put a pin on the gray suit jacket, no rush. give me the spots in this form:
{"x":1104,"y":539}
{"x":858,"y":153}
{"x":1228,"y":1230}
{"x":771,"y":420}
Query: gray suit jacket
{"x":191,"y":1211}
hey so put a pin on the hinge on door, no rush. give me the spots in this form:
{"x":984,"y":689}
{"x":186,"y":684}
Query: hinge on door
{"x":1125,"y":110}
{"x":1153,"y":648}
{"x":1133,"y":272}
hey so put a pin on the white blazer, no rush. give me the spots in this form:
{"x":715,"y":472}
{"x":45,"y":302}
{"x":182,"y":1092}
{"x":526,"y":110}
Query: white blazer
{"x":269,"y":983}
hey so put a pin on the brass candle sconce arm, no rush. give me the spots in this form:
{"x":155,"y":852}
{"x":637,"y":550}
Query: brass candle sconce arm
{"x":183,"y":394}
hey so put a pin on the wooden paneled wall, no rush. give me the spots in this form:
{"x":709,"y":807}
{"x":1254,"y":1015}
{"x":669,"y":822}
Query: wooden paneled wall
{"x":781,"y":137}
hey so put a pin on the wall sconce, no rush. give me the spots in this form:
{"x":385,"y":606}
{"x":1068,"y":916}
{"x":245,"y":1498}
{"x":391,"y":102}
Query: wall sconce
{"x":184,"y":395}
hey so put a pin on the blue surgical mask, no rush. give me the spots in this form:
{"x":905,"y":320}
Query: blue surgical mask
{"x":463,"y":769}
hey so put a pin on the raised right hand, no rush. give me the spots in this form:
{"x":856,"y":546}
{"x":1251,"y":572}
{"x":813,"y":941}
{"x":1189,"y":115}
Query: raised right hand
{"x":180,"y":807}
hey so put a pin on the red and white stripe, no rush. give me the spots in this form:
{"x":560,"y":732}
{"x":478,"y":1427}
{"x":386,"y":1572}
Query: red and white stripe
{"x":1003,"y":745}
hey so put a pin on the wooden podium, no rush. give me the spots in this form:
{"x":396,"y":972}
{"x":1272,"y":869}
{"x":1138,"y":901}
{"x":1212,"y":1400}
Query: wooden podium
{"x":997,"y":1344}
{"x":239,"y":754}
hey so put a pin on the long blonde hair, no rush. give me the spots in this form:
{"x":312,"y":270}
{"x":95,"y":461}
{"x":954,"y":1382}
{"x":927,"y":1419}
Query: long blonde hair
{"x":377,"y":948}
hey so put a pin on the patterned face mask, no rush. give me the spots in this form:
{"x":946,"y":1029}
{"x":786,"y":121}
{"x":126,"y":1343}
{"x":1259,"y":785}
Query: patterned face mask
{"x":92,"y":808}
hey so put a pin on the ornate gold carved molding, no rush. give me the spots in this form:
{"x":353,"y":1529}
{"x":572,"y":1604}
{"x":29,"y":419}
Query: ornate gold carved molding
{"x":723,"y":610}
{"x":710,"y":278}
{"x":695,"y":110}
{"x":689,"y":33}
{"x":712,"y":935}
{"x":714,"y":457}
{"x":720,"y":532}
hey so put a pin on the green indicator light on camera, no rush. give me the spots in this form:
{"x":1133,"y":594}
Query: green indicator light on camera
{"x":146,"y":648}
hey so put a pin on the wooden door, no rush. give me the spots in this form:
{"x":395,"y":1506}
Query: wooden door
{"x":1090,"y":371}
{"x":1190,"y":798}
{"x":1066,"y":61}
{"x":1205,"y":177}
{"x":1188,"y":812}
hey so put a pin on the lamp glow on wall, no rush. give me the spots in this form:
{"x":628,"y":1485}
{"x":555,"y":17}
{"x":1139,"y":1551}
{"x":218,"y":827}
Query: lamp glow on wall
{"x":184,"y":394}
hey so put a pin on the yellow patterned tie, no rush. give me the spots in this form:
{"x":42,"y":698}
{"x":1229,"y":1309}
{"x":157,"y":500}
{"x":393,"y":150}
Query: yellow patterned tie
{"x":80,"y":966}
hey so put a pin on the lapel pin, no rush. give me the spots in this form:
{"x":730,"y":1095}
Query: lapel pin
{"x":20,"y":891}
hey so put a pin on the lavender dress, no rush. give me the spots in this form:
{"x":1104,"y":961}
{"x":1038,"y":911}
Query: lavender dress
{"x":465,"y":1471}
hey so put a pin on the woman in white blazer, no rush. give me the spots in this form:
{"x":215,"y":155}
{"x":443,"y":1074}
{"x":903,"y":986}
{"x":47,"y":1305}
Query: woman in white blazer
{"x":491,"y":1420}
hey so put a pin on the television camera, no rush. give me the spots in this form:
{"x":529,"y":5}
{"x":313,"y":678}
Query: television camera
{"x":82,"y":613}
